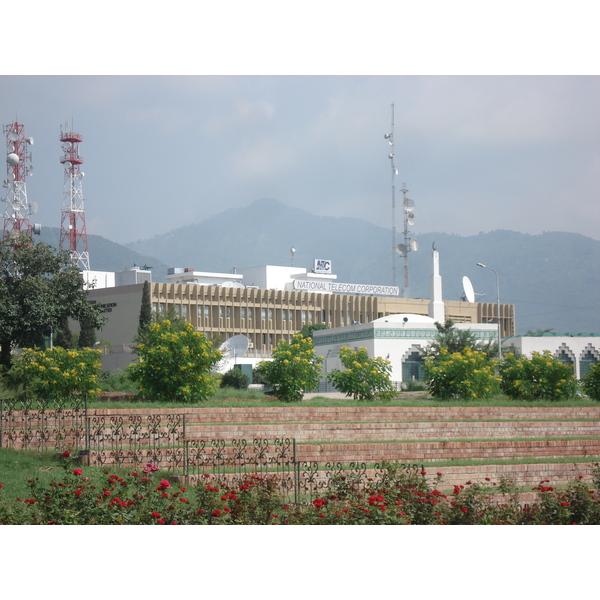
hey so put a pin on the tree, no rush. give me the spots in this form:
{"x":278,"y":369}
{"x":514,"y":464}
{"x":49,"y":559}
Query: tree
{"x":364,"y":377}
{"x":236,"y":379}
{"x":87,"y":333}
{"x":294,"y":369}
{"x":145,"y":317}
{"x":453,"y":340}
{"x":307,"y":330}
{"x":175,"y":364}
{"x":39,"y":288}
{"x":64,"y":335}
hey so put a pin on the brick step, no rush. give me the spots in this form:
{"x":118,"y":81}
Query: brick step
{"x":395,"y":431}
{"x":362,"y":412}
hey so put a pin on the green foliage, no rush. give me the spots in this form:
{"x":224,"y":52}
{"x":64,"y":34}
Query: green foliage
{"x":64,"y":336}
{"x":295,"y":368}
{"x":175,"y":364}
{"x":364,"y":378}
{"x":236,"y":379}
{"x":39,"y":288}
{"x":464,"y":375}
{"x":307,"y":330}
{"x":452,"y":340}
{"x":145,"y":317}
{"x":87,"y":333}
{"x":541,"y":377}
{"x":591,"y":382}
{"x":117,"y":381}
{"x":55,"y":373}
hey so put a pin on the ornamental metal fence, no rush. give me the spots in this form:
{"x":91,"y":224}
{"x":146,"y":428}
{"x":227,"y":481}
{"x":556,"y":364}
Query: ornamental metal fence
{"x":160,"y":439}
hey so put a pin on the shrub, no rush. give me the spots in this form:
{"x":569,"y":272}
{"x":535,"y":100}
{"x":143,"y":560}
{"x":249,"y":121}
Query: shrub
{"x":175,"y":365}
{"x":591,"y":382}
{"x":56,"y":373}
{"x":464,"y":375}
{"x":294,"y":369}
{"x":364,"y":378}
{"x":236,"y":379}
{"x":541,"y":377}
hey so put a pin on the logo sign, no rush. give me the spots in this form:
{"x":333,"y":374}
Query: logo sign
{"x":346,"y":288}
{"x":322,"y":266}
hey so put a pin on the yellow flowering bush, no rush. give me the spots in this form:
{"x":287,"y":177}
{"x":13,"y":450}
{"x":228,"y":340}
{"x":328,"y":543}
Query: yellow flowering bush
{"x":465,"y":375}
{"x":175,"y":364}
{"x":295,"y":368}
{"x":364,"y":377}
{"x":56,"y":373}
{"x":591,"y":382}
{"x":541,"y":377}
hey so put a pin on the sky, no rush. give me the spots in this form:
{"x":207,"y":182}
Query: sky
{"x":479,"y":148}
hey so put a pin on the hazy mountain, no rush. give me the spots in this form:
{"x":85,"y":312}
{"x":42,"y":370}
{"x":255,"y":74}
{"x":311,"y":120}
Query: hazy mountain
{"x":108,"y":256}
{"x":551,"y":278}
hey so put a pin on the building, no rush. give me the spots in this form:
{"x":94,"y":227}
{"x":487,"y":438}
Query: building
{"x":577,"y":350}
{"x":267,"y":304}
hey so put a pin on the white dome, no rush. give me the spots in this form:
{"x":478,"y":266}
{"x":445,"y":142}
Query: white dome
{"x":12,"y":159}
{"x":407,"y":318}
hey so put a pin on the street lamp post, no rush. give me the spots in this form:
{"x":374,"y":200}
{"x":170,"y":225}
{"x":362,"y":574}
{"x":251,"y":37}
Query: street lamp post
{"x":498,"y":298}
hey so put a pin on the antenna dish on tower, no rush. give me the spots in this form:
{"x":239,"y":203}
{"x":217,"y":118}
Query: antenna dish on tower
{"x":401,"y":249}
{"x":414,"y":245}
{"x":469,"y":292}
{"x":409,"y":205}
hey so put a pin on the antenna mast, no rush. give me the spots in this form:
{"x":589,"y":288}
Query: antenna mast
{"x":72,"y":228}
{"x":390,"y":138}
{"x":18,"y":209}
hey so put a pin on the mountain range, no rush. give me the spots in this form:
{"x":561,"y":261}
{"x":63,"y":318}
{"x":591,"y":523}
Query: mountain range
{"x":551,"y":278}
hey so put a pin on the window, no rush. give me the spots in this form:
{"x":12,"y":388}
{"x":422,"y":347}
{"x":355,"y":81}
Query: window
{"x":220,"y":312}
{"x":270,"y":314}
{"x":249,"y":313}
{"x":263,"y":313}
{"x":184,"y":311}
{"x":304,"y":316}
{"x":284,"y":314}
{"x":243,"y":312}
{"x":228,"y":309}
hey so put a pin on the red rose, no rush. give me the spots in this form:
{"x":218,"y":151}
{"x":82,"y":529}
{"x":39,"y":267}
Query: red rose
{"x":156,"y":515}
{"x":66,"y":453}
{"x":77,"y":472}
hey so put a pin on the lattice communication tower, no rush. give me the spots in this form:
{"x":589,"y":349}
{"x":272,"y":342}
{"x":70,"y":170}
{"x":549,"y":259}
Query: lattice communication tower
{"x":18,"y":208}
{"x":73,"y":235}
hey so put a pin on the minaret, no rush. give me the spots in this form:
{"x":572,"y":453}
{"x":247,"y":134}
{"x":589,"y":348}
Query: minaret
{"x":436,"y":304}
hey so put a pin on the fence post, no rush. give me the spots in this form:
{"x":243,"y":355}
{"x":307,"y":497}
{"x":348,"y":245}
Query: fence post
{"x":296,"y":474}
{"x":87,"y":426}
{"x":1,"y":420}
{"x":185,"y":452}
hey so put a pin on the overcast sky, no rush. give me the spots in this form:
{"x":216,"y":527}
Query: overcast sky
{"x":477,"y":153}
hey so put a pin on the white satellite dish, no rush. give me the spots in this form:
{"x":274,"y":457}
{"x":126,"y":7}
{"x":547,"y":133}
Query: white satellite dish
{"x":10,"y":147}
{"x":414,"y":245}
{"x":468,"y":289}
{"x":410,"y":218}
{"x":67,"y":164}
{"x":235,"y":346}
{"x":67,"y":146}
{"x":12,"y":159}
{"x":13,"y":137}
{"x":401,"y":249}
{"x":34,"y":207}
{"x":409,"y":205}
{"x":30,"y":141}
{"x":232,"y":284}
{"x":30,"y":170}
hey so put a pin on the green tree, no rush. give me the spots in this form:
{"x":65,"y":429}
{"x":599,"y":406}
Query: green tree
{"x":175,"y":364}
{"x":364,"y":377}
{"x":64,"y":335}
{"x":39,"y":288}
{"x":87,"y":333}
{"x":451,"y":339}
{"x":307,"y":330}
{"x":541,"y":377}
{"x":236,"y":379}
{"x":591,"y":382}
{"x":145,"y":317}
{"x":464,"y":375}
{"x":295,"y":368}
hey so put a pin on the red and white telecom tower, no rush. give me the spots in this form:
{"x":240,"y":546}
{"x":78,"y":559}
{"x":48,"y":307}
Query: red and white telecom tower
{"x":73,"y":234}
{"x":18,"y":209}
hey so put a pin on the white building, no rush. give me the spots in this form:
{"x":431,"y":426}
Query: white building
{"x":578,"y":350}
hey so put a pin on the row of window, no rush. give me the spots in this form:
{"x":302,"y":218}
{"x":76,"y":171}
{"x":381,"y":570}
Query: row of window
{"x":249,"y":313}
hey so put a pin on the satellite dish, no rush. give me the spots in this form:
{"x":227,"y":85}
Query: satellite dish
{"x":34,"y":207}
{"x":401,"y":249}
{"x":468,"y":289}
{"x":12,"y":159}
{"x":409,"y":205}
{"x":30,"y":141}
{"x":234,"y":347}
{"x":414,"y":245}
{"x":13,"y":137}
{"x":67,"y":164}
{"x":67,"y":146}
{"x":10,"y":147}
{"x":37,"y":229}
{"x":232,"y":284}
{"x":410,"y":218}
{"x":30,"y":170}
{"x":11,"y":176}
